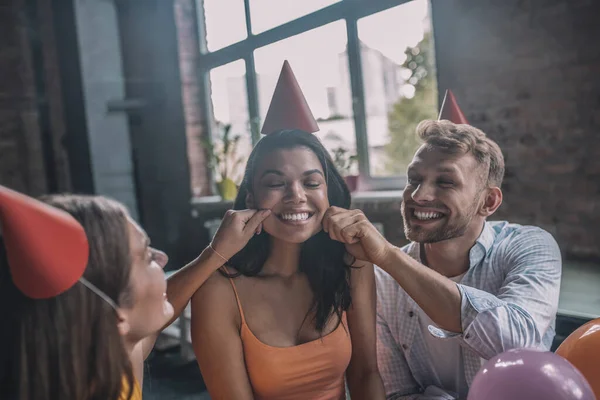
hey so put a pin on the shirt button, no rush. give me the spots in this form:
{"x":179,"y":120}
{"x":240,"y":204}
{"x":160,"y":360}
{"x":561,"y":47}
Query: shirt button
{"x":404,"y":346}
{"x":411,"y":314}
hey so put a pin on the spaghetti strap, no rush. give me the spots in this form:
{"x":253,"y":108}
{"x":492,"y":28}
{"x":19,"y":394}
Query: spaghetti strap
{"x":237,"y":297}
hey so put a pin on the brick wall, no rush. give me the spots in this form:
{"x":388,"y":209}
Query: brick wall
{"x":21,"y":165}
{"x":528,"y":74}
{"x":189,"y":53}
{"x":53,"y":96}
{"x":22,"y":159}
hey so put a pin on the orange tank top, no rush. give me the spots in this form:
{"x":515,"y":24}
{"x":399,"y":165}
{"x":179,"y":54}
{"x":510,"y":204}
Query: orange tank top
{"x":313,"y":370}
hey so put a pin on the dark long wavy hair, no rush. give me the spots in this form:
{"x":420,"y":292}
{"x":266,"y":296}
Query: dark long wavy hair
{"x":322,"y":259}
{"x":68,"y":347}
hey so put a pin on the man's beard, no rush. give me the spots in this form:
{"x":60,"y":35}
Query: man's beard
{"x":448,"y":229}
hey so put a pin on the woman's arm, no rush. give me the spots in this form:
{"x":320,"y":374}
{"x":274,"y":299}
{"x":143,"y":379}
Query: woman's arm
{"x":236,"y":229}
{"x":362,"y":375}
{"x":216,"y":340}
{"x":182,"y":285}
{"x":233,"y":234}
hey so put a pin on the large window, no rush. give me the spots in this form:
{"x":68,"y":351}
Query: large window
{"x":365,"y":67}
{"x":225,"y":23}
{"x":267,"y":14}
{"x":322,"y":75}
{"x":399,"y":83}
{"x":230,"y":117}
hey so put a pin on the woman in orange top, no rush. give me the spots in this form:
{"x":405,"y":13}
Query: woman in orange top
{"x":288,"y":317}
{"x":80,"y":324}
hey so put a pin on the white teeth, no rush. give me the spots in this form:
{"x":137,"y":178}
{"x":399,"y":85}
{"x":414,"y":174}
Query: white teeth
{"x":427,"y":215}
{"x":295,"y":217}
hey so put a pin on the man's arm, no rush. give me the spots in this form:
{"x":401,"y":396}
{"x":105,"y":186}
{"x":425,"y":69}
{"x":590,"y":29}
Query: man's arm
{"x":437,"y":295}
{"x":526,"y":304}
{"x":490,"y":324}
{"x":517,"y":316}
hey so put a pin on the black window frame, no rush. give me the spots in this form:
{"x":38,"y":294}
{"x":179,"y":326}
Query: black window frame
{"x":348,"y":10}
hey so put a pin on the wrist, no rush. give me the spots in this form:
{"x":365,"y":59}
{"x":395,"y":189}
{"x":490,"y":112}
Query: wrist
{"x":389,"y":258}
{"x":211,"y":256}
{"x":218,"y":252}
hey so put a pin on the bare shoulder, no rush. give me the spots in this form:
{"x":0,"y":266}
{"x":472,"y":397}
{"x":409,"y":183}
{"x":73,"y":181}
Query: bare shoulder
{"x":215,"y":299}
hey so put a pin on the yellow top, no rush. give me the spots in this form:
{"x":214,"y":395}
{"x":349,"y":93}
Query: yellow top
{"x":135,"y":395}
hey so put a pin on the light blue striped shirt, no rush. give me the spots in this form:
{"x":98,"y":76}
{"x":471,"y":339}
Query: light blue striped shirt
{"x":509,"y":300}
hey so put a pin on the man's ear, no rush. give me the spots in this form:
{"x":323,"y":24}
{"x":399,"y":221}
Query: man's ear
{"x":493,"y":200}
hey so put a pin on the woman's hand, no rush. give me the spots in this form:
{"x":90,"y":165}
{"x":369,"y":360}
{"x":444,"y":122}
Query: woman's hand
{"x":236,"y":229}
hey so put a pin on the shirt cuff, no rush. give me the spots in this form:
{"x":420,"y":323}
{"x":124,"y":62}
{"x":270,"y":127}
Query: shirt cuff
{"x":472,"y":302}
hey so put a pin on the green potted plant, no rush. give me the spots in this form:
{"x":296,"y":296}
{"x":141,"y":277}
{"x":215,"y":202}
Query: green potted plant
{"x":224,"y":160}
{"x":346,"y":162}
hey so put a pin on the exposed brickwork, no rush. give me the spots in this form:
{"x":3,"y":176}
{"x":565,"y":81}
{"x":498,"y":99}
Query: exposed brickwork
{"x":21,"y":165}
{"x":54,"y":95}
{"x":189,"y":52}
{"x":527,"y":73}
{"x":21,"y":155}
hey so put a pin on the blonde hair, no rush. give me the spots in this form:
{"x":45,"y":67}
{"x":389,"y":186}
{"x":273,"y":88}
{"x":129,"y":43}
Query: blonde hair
{"x":462,"y":139}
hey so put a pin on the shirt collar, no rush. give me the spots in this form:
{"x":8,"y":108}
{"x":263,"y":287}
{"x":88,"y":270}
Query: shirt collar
{"x":482,"y":246}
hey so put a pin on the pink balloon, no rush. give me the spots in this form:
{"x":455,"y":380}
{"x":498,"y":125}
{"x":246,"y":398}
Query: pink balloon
{"x":527,"y":374}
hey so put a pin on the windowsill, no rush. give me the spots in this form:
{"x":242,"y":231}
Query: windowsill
{"x":384,"y":196}
{"x":198,"y":200}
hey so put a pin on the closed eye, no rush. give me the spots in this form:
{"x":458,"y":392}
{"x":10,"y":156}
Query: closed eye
{"x":445,"y":183}
{"x":312,"y":184}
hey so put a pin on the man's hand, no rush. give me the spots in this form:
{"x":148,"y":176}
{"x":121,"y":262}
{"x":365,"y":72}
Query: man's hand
{"x":362,"y":239}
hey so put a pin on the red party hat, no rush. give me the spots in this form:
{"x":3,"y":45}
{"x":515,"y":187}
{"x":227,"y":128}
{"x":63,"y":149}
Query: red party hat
{"x":288,"y":108}
{"x":451,"y":111}
{"x":47,"y":249}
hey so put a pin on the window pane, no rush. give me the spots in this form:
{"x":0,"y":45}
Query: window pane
{"x":399,"y":82}
{"x":318,"y":59}
{"x":267,"y":14}
{"x":230,"y":107}
{"x":225,"y":23}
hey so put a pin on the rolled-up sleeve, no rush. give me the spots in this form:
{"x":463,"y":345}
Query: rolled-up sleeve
{"x":526,"y":304}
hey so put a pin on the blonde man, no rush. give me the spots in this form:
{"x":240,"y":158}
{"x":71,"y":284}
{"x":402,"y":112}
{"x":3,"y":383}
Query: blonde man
{"x":464,"y":289}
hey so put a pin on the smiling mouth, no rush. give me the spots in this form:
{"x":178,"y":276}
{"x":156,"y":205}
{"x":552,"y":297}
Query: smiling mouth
{"x":295,"y":217}
{"x":426,"y":215}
